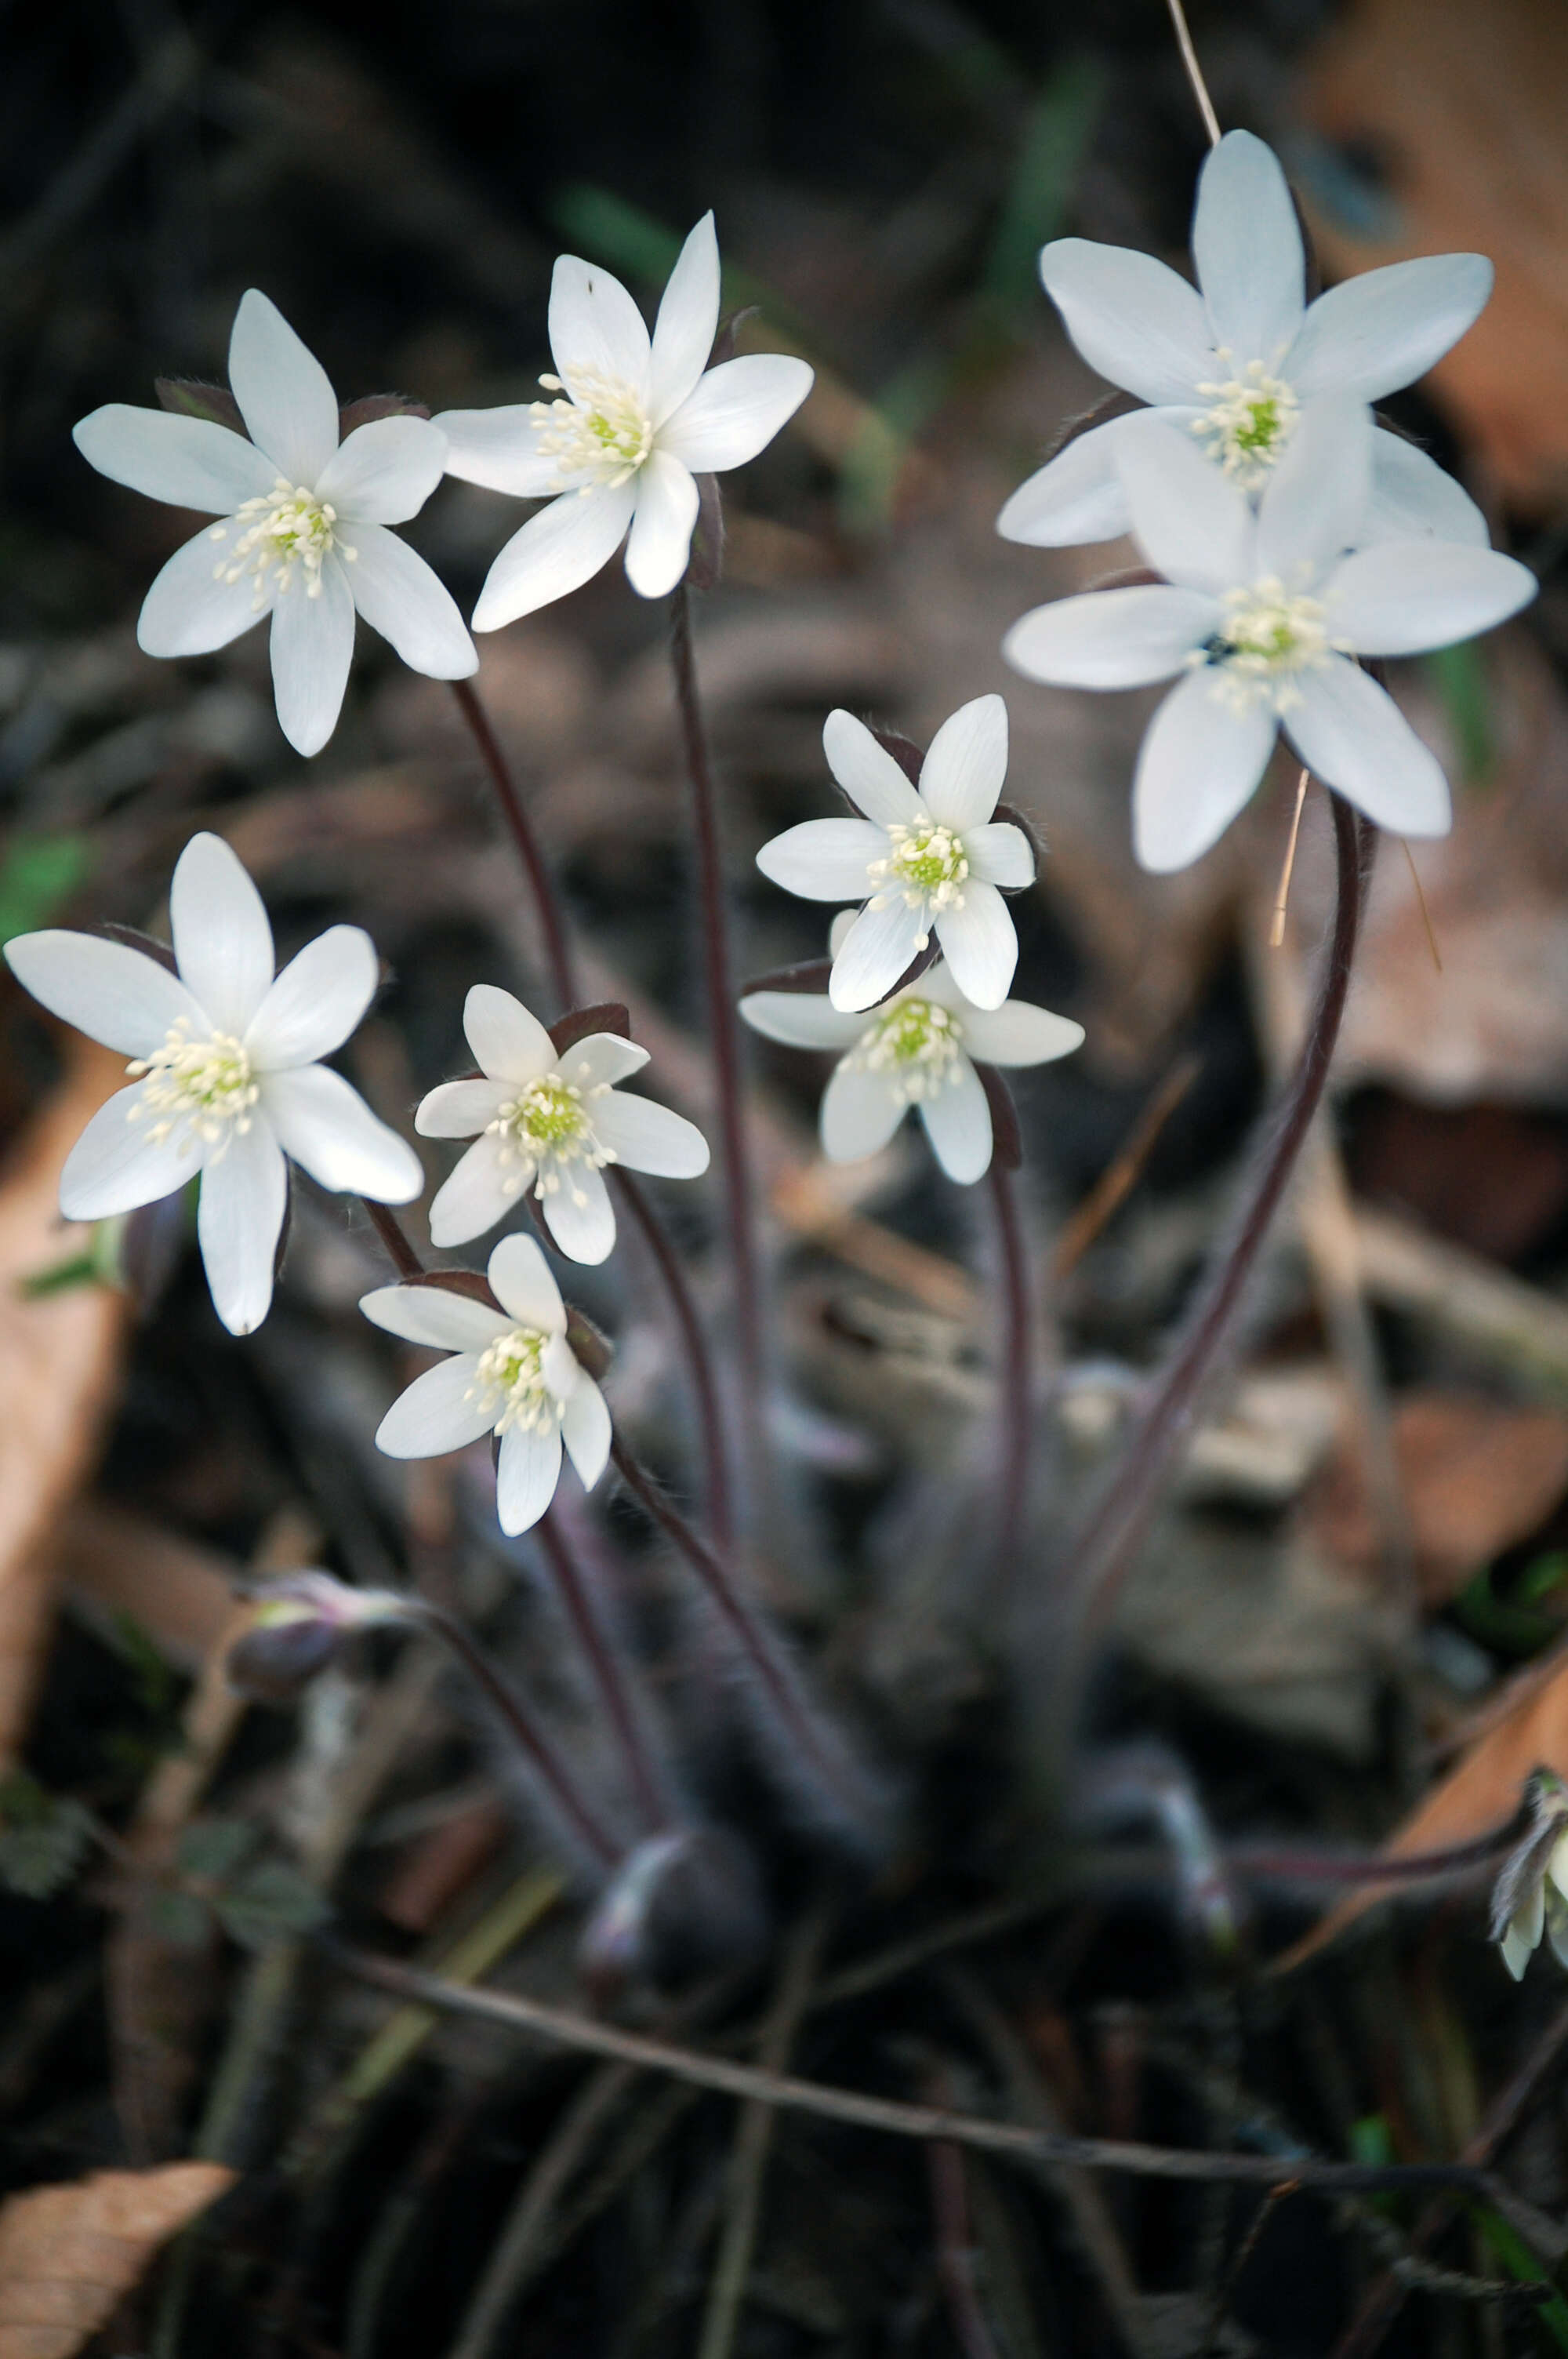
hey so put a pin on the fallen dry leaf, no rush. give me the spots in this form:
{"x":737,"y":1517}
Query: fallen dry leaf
{"x":68,"y":2254}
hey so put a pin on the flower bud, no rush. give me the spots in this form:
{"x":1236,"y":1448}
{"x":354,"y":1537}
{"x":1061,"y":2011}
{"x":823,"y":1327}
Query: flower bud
{"x":298,"y":1625}
{"x":680,"y":1908}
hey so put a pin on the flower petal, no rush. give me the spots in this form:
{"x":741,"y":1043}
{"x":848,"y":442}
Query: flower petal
{"x":1131,"y":318}
{"x":386,"y":472}
{"x":316,"y":1002}
{"x":1111,"y":638}
{"x":860,"y":1111}
{"x":874,"y":953}
{"x":500,"y":448}
{"x":1018,"y":1033}
{"x":586,"y":1430}
{"x":481,"y":1190}
{"x":189,"y":611}
{"x":510,"y":1044}
{"x":600,"y":1060}
{"x":526,"y":1474}
{"x":223,"y":941}
{"x":330,"y":1132}
{"x":1412,"y":495}
{"x":958,"y":1124}
{"x":1380,"y":331}
{"x":687,"y":322}
{"x":430,"y":1314}
{"x":1199,"y":762}
{"x":1246,"y":243}
{"x":312,"y":647}
{"x":435,"y":1414}
{"x":1407,"y":595}
{"x":979,"y":945}
{"x":1352,"y":733}
{"x":239,"y":1217}
{"x":1074,"y":497}
{"x":662,"y":526}
{"x":1188,"y":517}
{"x":1000,"y":853}
{"x":649,"y":1138}
{"x":399,"y":596}
{"x":520,"y":1282}
{"x":580,"y":1216}
{"x":117,"y":1163}
{"x":736,"y":411}
{"x":191,"y":462}
{"x":598,"y":336}
{"x":554,"y":553}
{"x":1315,"y":505}
{"x":459,"y":1109}
{"x":874,"y":782}
{"x":285,"y":395}
{"x":824,"y":859}
{"x":108,"y":989}
{"x":801,"y":1019}
{"x":965,"y":768}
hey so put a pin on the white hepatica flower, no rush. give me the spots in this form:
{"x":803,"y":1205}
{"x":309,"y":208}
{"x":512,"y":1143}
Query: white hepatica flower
{"x":632,"y":425}
{"x":514,"y":1375}
{"x":303,"y":534}
{"x":549,"y":1122}
{"x":1235,"y":362}
{"x":226,"y":1081}
{"x":1263,"y":619}
{"x":917,"y":1051}
{"x":926,"y":861}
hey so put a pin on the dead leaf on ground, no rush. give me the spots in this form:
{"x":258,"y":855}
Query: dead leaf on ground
{"x":68,"y":2254}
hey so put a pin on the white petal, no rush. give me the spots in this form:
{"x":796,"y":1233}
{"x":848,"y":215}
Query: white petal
{"x":688,"y":321}
{"x":238,"y":1219}
{"x":1315,"y":505}
{"x":1111,"y":638}
{"x":554,"y":553}
{"x":601,"y":1058}
{"x":223,"y":941}
{"x":824,"y":859}
{"x":1188,"y":517}
{"x":430,"y":1314}
{"x":874,"y":953}
{"x":117,"y":1165}
{"x":1517,"y":1951}
{"x":526,"y":1474}
{"x":508,"y":1043}
{"x":1076,"y":496}
{"x":386,"y":472}
{"x":596,"y":334}
{"x":580,"y":1216}
{"x":965,"y":766}
{"x":460,"y":1109}
{"x":979,"y":945}
{"x":736,"y":411}
{"x":499,"y":448}
{"x":1019,"y":1034}
{"x":1000,"y":854}
{"x":316,"y":1002}
{"x":191,"y":462}
{"x":801,"y":1019}
{"x":285,"y":395}
{"x":1386,"y":327}
{"x":435,"y":1414}
{"x":958,"y":1124}
{"x":312,"y":647}
{"x":585,"y":1429}
{"x":520,"y":1282}
{"x":1412,"y":495}
{"x":1353,"y":735}
{"x":1132,"y":318}
{"x":107,"y":990}
{"x":874,"y":782}
{"x":329,"y":1129}
{"x":860,"y":1111}
{"x":399,"y":596}
{"x":1247,"y":244}
{"x":484,"y":1186}
{"x":662,"y":526}
{"x":650,"y":1138}
{"x":188,"y":610}
{"x":1404,"y":596}
{"x":1198,"y":762}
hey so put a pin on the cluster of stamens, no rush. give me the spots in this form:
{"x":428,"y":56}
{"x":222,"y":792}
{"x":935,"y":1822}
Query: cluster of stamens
{"x":288,"y":527}
{"x":510,"y":1379}
{"x":601,"y":431}
{"x":545,"y":1129}
{"x":1267,"y":640}
{"x":914,"y":1045}
{"x":926,"y":869}
{"x":1249,"y":420}
{"x":206,"y":1085}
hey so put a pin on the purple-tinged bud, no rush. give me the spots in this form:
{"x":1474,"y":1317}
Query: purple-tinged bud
{"x":298,"y":1625}
{"x":680,"y":1908}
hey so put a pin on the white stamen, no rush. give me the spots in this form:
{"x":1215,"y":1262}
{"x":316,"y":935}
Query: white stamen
{"x":601,"y":431}
{"x":207,"y":1085}
{"x":915,"y":1043}
{"x":1267,"y":640}
{"x":926,"y":869}
{"x":288,"y":527}
{"x":546,"y":1131}
{"x":1249,"y":420}
{"x":510,"y":1380}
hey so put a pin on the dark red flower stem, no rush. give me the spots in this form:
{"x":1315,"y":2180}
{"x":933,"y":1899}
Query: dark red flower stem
{"x":1017,"y":1377}
{"x":600,"y":1655}
{"x":389,"y":1229}
{"x":548,"y":909}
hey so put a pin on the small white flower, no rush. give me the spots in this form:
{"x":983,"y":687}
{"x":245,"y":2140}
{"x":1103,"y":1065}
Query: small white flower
{"x":925,"y":862}
{"x":631,"y":426}
{"x":225,"y":1079}
{"x":1531,"y":1896}
{"x":916,"y":1050}
{"x":1234,"y":363}
{"x":550,"y":1122}
{"x":304,"y":534}
{"x":1263,"y":618}
{"x":514,"y":1375}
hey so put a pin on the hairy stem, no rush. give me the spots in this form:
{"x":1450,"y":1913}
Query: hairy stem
{"x":1017,"y":1377}
{"x":389,"y":1229}
{"x":556,"y":948}
{"x":711,"y":1421}
{"x":600,"y":1655}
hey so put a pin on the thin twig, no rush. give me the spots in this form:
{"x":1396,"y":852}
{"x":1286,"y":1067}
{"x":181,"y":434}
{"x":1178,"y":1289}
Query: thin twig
{"x":600,"y":1654}
{"x":1195,"y":71}
{"x":1282,"y":898}
{"x":1120,"y":1176}
{"x":1420,"y":904}
{"x":699,"y":1363}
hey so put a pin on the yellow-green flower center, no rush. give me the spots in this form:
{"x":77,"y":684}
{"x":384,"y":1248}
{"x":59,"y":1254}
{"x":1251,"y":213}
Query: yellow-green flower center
{"x":287,"y":526}
{"x":1249,"y":422}
{"x":1267,"y":639}
{"x":599,"y":431}
{"x":547,"y":1129}
{"x":206,"y":1085}
{"x":509,"y":1381}
{"x":914,"y":1046}
{"x":926,"y":868}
